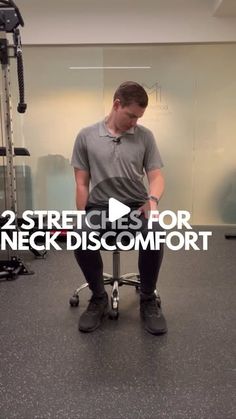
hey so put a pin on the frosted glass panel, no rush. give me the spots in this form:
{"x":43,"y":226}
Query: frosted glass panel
{"x":170,"y":111}
{"x":60,"y":102}
{"x":192,"y":112}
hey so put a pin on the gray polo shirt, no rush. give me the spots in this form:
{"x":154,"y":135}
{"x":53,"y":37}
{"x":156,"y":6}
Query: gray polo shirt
{"x":117,"y":165}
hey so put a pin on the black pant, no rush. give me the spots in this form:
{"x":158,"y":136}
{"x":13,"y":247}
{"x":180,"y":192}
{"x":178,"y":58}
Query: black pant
{"x":91,"y":264}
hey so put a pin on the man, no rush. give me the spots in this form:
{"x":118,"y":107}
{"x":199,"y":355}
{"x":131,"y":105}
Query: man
{"x":111,"y":157}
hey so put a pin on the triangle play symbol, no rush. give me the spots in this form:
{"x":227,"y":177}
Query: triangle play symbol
{"x":116,"y":209}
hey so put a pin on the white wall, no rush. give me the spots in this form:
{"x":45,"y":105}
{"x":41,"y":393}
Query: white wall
{"x":123,"y":21}
{"x":197,"y":82}
{"x":192,"y":102}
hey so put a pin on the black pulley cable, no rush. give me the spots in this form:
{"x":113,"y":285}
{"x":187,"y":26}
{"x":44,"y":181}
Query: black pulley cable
{"x":21,"y":108}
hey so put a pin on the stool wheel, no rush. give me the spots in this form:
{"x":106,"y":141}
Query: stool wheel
{"x":113,"y":314}
{"x":74,"y":301}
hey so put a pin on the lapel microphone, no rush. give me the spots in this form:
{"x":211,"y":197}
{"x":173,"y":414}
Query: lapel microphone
{"x":117,"y":140}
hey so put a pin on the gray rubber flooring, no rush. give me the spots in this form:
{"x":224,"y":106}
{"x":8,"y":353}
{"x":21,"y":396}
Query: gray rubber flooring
{"x":50,"y":370}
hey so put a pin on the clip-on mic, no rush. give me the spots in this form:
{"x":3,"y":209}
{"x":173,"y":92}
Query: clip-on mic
{"x":117,"y":140}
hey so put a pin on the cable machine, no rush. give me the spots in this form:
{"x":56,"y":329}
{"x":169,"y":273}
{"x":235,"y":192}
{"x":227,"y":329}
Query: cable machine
{"x":10,"y":20}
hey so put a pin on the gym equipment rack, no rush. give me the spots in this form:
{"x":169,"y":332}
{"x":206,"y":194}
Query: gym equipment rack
{"x":10,"y":20}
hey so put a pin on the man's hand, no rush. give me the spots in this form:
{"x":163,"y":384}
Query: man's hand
{"x":147,"y":207}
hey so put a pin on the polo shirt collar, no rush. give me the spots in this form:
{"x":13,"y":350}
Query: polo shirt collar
{"x":103,"y":132}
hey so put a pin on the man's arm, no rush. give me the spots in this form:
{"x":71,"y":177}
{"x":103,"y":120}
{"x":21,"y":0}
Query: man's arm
{"x":82,"y":178}
{"x":156,"y":183}
{"x":156,"y":189}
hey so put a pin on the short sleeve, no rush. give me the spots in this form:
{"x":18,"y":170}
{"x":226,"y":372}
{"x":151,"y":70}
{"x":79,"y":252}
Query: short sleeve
{"x":152,"y":157}
{"x":79,"y":157}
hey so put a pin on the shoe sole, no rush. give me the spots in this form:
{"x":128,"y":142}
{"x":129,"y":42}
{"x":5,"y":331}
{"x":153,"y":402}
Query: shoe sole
{"x":105,"y":313}
{"x":156,"y":333}
{"x":153,"y":332}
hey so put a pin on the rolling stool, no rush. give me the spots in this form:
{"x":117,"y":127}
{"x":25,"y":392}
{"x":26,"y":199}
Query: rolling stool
{"x":115,"y":280}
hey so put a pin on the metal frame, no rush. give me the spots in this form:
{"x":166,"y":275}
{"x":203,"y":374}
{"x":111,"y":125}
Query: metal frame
{"x":10,"y":19}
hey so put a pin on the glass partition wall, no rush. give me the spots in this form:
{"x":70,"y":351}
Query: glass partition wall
{"x":192,"y":113}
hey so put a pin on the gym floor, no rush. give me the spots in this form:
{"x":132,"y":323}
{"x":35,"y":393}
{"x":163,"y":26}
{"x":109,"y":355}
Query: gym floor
{"x":50,"y":370}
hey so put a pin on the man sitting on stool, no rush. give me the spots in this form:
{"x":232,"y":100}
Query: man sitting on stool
{"x":112,"y":155}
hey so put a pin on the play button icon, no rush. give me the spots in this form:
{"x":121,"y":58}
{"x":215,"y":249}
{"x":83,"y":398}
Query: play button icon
{"x":116,"y":209}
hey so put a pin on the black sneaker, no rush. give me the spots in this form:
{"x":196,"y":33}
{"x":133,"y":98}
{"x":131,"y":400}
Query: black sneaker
{"x":151,"y":314}
{"x":91,"y":318}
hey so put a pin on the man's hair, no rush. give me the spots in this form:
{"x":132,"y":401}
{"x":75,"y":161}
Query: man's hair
{"x":131,"y":92}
